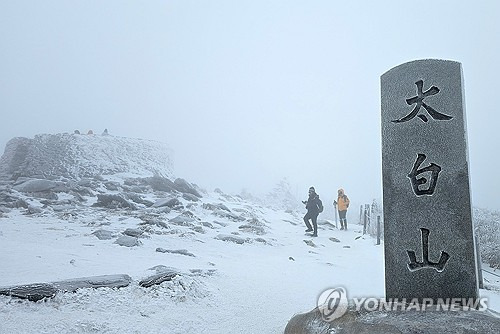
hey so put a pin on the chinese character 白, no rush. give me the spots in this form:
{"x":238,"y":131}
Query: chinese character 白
{"x":417,"y":182}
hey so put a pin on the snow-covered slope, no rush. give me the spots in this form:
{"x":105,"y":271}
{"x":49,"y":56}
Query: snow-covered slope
{"x":242,"y":267}
{"x":75,"y":156}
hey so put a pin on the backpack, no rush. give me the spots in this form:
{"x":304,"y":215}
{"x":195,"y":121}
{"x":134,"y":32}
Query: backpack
{"x":320,"y":206}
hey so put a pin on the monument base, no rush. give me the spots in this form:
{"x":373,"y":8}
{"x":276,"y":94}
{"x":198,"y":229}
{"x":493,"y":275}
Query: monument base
{"x":429,"y":321}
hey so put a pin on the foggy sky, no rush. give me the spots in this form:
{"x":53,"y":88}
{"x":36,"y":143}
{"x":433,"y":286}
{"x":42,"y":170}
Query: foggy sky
{"x":246,"y":92}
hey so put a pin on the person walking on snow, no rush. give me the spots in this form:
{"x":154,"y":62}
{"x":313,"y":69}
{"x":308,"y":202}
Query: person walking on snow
{"x":342,"y":204}
{"x":314,"y":206}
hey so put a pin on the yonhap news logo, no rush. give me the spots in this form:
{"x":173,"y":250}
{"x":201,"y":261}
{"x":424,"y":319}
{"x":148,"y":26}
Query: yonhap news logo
{"x":333,"y":303}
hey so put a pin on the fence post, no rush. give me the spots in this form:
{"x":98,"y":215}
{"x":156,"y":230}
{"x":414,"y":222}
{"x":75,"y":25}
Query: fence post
{"x":378,"y":230}
{"x":479,"y":263}
{"x":368,"y":214}
{"x":361,"y":214}
{"x":364,"y":222}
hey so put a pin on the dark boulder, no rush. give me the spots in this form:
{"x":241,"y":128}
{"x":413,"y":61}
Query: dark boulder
{"x":159,"y":183}
{"x":190,"y":197}
{"x":133,"y":232}
{"x":112,"y":201}
{"x":38,"y":291}
{"x":33,"y":292}
{"x":185,"y":187}
{"x":169,"y":202}
{"x":164,"y":276}
{"x":138,"y":199}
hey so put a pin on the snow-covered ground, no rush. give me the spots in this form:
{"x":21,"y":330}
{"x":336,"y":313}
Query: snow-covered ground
{"x":255,"y":287}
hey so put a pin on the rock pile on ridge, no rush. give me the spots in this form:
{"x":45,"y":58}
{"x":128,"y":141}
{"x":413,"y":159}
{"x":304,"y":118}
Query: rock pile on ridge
{"x":73,"y":156}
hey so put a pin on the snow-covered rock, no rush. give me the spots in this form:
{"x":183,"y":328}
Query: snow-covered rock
{"x":35,"y":185}
{"x":127,"y":241}
{"x":84,"y":156}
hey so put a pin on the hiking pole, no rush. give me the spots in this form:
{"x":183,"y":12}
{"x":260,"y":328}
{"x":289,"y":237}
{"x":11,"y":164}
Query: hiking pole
{"x":335,"y":209}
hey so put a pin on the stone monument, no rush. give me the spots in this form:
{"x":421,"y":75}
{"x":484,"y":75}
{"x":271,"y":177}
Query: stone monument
{"x":430,"y":249}
{"x":429,"y":237}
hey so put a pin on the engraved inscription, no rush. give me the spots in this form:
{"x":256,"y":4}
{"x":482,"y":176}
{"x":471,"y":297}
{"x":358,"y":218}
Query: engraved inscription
{"x":419,"y":102}
{"x":414,"y":265}
{"x":417,"y":182}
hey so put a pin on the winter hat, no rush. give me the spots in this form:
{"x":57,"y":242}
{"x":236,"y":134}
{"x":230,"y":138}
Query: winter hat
{"x":312,"y":189}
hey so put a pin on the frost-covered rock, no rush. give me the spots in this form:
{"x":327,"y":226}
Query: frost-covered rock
{"x":158,"y":278}
{"x":186,"y":187}
{"x":175,"y":251}
{"x":228,"y":215}
{"x":138,"y":199}
{"x":213,"y":207}
{"x":190,"y":197}
{"x":159,"y":183}
{"x":133,"y":232}
{"x":32,"y":292}
{"x":182,"y":218}
{"x":34,"y":209}
{"x":127,"y":241}
{"x":103,"y":234}
{"x":310,"y":243}
{"x":34,"y":185}
{"x":39,"y":291}
{"x":103,"y":281}
{"x":253,"y":226}
{"x":169,"y":202}
{"x":231,"y":238}
{"x":112,"y":201}
{"x":79,"y":156}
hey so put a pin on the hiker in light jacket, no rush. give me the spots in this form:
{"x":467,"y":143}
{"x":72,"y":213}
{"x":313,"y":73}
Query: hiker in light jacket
{"x":342,"y":203}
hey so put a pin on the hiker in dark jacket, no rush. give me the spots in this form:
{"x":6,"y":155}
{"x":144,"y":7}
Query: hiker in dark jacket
{"x":314,"y":206}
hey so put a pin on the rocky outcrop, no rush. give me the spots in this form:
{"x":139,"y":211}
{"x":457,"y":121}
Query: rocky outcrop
{"x":78,"y":156}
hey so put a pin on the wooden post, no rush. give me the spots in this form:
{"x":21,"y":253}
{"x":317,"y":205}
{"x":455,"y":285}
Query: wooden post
{"x":368,"y":214}
{"x":378,"y":230}
{"x":360,"y":214}
{"x":364,"y":222}
{"x":479,"y":263}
